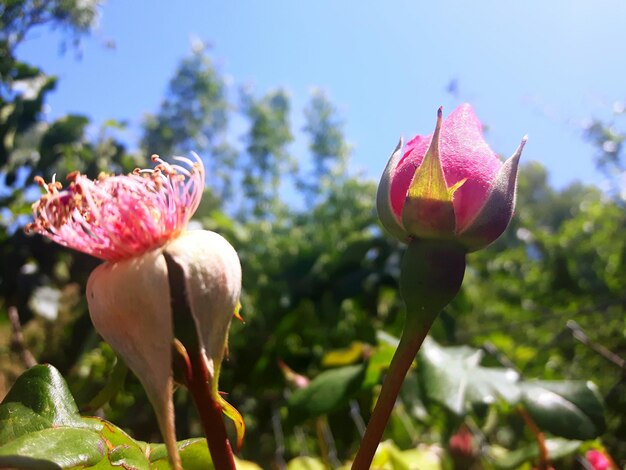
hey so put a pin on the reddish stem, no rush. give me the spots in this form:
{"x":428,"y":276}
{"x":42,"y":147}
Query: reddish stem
{"x":410,"y":343}
{"x":544,"y":461}
{"x":211,"y":416}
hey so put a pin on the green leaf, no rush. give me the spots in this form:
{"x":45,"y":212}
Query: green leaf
{"x":39,"y":399}
{"x":306,"y":463}
{"x":124,"y":450}
{"x":344,"y":356}
{"x":128,"y":457}
{"x":454,"y":378}
{"x":377,"y":363}
{"x":328,"y":392}
{"x":40,"y":428}
{"x":389,"y":457}
{"x":194,"y":454}
{"x":570,"y":409}
{"x":17,"y":420}
{"x":423,"y":458}
{"x":557,"y":449}
{"x":65,"y":447}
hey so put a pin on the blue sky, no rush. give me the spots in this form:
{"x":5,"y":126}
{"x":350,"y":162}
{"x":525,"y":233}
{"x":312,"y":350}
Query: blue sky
{"x":533,"y":67}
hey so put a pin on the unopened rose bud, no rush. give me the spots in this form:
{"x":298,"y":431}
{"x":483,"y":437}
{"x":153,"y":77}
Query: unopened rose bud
{"x":446,"y":195}
{"x":449,"y":185}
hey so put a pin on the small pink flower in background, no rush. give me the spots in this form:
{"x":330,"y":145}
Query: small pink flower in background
{"x":137,"y":224}
{"x":449,"y":185}
{"x":461,"y":448}
{"x":598,"y":460}
{"x":292,"y":377}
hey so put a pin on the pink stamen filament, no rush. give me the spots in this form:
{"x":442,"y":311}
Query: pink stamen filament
{"x":117,"y":217}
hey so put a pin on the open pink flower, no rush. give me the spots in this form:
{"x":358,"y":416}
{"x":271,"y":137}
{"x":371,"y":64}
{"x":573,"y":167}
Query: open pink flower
{"x":119,"y":217}
{"x":449,"y":184}
{"x":137,"y":224}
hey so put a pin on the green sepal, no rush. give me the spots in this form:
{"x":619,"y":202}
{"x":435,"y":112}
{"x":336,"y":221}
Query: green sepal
{"x":233,"y":414}
{"x":497,"y":211}
{"x":388,"y":218}
{"x":428,"y":211}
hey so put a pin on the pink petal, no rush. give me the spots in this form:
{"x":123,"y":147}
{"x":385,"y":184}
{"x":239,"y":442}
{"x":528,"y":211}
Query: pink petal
{"x":119,"y":217}
{"x":464,"y":154}
{"x":598,"y":460}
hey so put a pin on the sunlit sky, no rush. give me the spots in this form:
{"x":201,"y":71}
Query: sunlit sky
{"x":534,"y":67}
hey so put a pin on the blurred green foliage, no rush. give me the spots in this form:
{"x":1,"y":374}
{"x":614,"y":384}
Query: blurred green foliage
{"x":546,"y":301}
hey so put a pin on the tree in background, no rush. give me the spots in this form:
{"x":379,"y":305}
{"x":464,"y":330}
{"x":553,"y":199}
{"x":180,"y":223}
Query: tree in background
{"x":608,"y":138}
{"x":194,"y":117}
{"x":329,"y":150}
{"x":37,"y":277}
{"x":268,"y":159}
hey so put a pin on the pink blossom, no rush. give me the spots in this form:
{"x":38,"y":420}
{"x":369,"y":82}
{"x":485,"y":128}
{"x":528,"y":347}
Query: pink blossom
{"x":464,"y":155}
{"x":462,"y":192}
{"x":137,"y":224}
{"x":461,"y":447}
{"x":119,"y":217}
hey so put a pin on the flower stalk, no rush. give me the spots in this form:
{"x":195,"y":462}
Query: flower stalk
{"x":544,"y":459}
{"x":196,"y":378}
{"x":409,"y":345}
{"x":431,"y":276}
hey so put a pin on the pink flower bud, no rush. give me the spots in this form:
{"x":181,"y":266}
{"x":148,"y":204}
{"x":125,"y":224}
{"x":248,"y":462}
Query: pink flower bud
{"x":449,"y":185}
{"x":598,"y":460}
{"x":461,"y":448}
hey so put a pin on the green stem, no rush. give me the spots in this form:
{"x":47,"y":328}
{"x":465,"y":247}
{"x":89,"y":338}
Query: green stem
{"x":431,"y":274}
{"x":409,"y":345}
{"x":211,"y":417}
